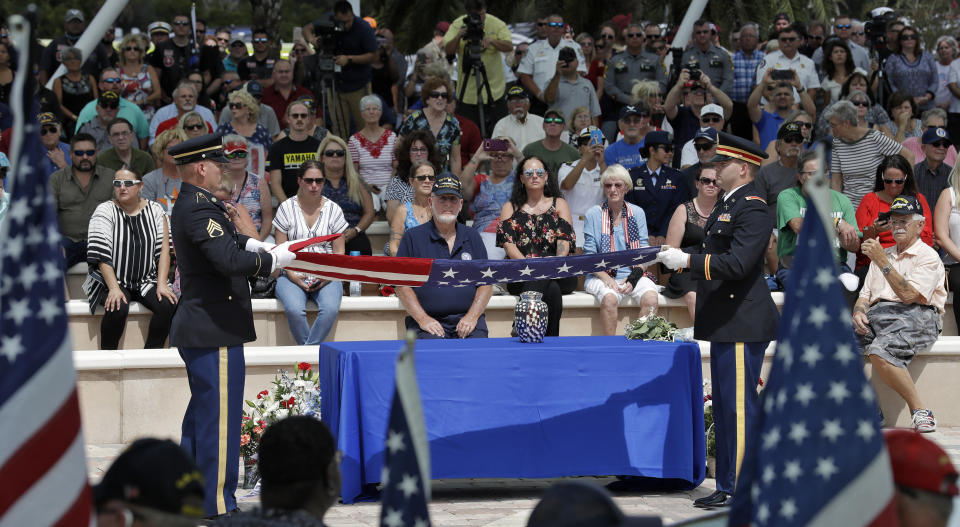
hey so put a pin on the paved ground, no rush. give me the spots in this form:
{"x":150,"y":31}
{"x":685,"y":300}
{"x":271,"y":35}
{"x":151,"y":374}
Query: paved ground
{"x":503,"y":503}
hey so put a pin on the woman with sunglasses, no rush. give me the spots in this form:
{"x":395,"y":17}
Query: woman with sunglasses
{"x":310,"y":213}
{"x":247,"y":188}
{"x":245,"y":110}
{"x":139,"y":82}
{"x":536,"y":223}
{"x":913,"y":70}
{"x":193,"y":125}
{"x":837,"y":67}
{"x":874,"y":114}
{"x":687,"y":228}
{"x":903,"y":124}
{"x":128,"y":254}
{"x":615,"y":225}
{"x":650,"y":93}
{"x":414,"y":212}
{"x":418,"y":145}
{"x":74,"y":88}
{"x":345,"y":188}
{"x":894,"y":178}
{"x":434,"y":117}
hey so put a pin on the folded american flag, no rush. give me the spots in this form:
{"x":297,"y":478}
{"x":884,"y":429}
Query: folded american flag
{"x":416,"y":272}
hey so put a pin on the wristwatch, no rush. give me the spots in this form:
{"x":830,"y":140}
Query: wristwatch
{"x":886,"y":269}
{"x":358,"y":229}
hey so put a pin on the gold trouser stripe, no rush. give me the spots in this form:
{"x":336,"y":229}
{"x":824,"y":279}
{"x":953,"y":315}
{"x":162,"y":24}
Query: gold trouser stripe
{"x":223,"y":366}
{"x":740,"y":357}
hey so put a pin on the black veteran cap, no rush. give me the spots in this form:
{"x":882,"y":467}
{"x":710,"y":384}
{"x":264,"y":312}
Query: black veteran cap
{"x":517,"y":92}
{"x":733,"y":147}
{"x":154,"y":473}
{"x":791,"y":129}
{"x":206,"y":147}
{"x":447,"y":183}
{"x":906,"y":205}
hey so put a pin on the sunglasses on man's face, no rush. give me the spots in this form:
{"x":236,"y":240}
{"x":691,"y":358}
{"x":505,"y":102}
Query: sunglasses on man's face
{"x":181,"y":23}
{"x":299,"y":115}
{"x":940,"y":144}
{"x":713,"y":119}
{"x":702,"y":147}
{"x":125,"y":182}
{"x":555,"y":24}
{"x":843,"y":26}
{"x":658,"y":49}
{"x":84,"y":153}
{"x":44,"y":130}
{"x":553,"y":120}
{"x":111,"y":80}
{"x":635,"y":35}
{"x":259,"y":41}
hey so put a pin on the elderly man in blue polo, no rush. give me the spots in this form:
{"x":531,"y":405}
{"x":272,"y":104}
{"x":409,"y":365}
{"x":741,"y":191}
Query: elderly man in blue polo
{"x":899,"y":309}
{"x":445,"y":312}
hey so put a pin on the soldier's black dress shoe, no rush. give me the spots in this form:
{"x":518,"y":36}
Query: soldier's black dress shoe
{"x":717,"y":499}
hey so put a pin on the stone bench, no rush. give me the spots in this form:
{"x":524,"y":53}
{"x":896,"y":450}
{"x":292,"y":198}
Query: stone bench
{"x":134,"y":393}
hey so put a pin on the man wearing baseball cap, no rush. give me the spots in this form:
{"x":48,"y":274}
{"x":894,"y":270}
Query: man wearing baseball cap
{"x":735,"y":311}
{"x":519,"y":124}
{"x":214,"y":318}
{"x":899,"y":310}
{"x":711,"y":116}
{"x":73,"y":24}
{"x":926,"y":480}
{"x":933,"y":175}
{"x":634,"y":124}
{"x":443,"y":312}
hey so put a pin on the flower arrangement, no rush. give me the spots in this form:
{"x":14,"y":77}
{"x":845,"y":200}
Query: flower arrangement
{"x":298,"y":394}
{"x":651,"y":327}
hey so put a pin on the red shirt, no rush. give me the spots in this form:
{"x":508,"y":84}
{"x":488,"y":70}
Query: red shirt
{"x":869,"y":210}
{"x":470,"y":139}
{"x":275,"y":100}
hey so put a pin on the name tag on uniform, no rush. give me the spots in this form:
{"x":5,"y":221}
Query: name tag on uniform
{"x":724,"y":217}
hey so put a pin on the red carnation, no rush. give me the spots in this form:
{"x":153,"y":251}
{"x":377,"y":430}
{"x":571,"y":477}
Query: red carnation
{"x":290,"y":401}
{"x":283,"y":404}
{"x":304,"y":366}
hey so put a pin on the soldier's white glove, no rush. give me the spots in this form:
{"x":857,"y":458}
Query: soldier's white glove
{"x":257,"y":246}
{"x":674,"y":258}
{"x":282,"y":256}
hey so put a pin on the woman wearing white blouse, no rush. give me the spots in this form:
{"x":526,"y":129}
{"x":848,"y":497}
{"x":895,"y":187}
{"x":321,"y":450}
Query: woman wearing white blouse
{"x":306,"y":215}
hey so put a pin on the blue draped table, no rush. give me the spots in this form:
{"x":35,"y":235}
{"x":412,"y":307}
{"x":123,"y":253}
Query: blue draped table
{"x":498,"y":408}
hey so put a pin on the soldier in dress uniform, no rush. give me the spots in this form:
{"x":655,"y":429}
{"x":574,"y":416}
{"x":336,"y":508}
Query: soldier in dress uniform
{"x":632,"y":65}
{"x":734,"y":309}
{"x":214,"y":317}
{"x":658,"y":188}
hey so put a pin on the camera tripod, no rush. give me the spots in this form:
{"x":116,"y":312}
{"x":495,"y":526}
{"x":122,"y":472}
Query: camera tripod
{"x":476,"y":67}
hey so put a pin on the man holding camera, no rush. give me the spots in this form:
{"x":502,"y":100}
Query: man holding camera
{"x":568,"y":90}
{"x":787,"y":57}
{"x":539,"y":64}
{"x":713,"y":61}
{"x":479,"y":36}
{"x":354,"y":49}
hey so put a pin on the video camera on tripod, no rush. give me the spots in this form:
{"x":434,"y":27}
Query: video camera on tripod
{"x":876,"y":27}
{"x":325,"y":45}
{"x":473,"y":47}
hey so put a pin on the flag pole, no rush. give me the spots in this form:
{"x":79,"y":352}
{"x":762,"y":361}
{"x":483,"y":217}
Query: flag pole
{"x":409,"y":392}
{"x":818,"y":192}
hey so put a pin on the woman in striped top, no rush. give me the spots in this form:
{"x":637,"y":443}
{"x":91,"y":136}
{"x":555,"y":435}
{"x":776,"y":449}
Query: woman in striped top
{"x":128,"y":248}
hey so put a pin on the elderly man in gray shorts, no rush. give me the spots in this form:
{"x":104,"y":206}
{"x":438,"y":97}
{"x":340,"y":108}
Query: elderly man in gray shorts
{"x":900,"y":306}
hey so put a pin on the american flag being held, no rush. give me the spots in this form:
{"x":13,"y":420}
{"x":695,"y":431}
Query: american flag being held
{"x":817,"y":455}
{"x":42,"y":464}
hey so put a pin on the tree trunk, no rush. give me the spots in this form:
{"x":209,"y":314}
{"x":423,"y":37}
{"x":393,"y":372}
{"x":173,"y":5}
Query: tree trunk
{"x":266,"y":14}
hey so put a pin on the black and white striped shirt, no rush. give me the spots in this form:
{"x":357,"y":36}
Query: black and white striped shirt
{"x":858,"y":162}
{"x":131,"y":245}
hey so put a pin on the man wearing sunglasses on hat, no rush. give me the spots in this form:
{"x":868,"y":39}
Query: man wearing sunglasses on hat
{"x":843,"y":29}
{"x":58,"y":152}
{"x":714,"y":61}
{"x":110,"y":80}
{"x":634,"y":64}
{"x":108,"y":104}
{"x":77,"y":190}
{"x":540,"y":63}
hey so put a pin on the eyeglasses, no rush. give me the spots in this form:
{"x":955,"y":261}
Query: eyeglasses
{"x":44,"y":130}
{"x":553,"y":120}
{"x":314,"y":180}
{"x":236,"y":105}
{"x":714,"y":119}
{"x":843,"y":26}
{"x":894,"y":181}
{"x":703,"y":147}
{"x":555,"y":24}
{"x":84,"y":153}
{"x":635,"y":35}
{"x":180,"y":23}
{"x":418,"y":150}
{"x":125,"y":182}
{"x":940,"y":144}
{"x":787,"y":39}
{"x":239,"y":154}
{"x":425,"y":178}
{"x":530,"y":173}
{"x":613,"y":185}
{"x":865,"y":104}
{"x":708,"y":181}
{"x":608,"y":36}
{"x":808,"y":126}
{"x":908,"y":36}
{"x":124,"y":133}
{"x":299,"y":115}
{"x":651,"y":35}
{"x":111,"y":80}
{"x":260,"y":41}
{"x":437,"y":95}
{"x":131,"y":48}
{"x":334,"y":153}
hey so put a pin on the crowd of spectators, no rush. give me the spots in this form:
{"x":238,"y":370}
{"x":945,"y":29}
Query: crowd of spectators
{"x":569,"y":111}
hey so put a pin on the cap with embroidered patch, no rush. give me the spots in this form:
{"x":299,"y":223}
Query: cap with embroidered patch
{"x":935,"y":134}
{"x":74,"y":14}
{"x":791,"y":129}
{"x":48,"y":118}
{"x":732,"y":147}
{"x":517,"y":92}
{"x":447,"y":183}
{"x":904,"y":204}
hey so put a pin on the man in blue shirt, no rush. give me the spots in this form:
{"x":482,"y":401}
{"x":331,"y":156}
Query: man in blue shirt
{"x":634,"y":119}
{"x":445,"y":312}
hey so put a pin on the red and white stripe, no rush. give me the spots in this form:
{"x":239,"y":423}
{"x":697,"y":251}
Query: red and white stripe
{"x":42,"y":463}
{"x":873,"y":495}
{"x":411,"y":272}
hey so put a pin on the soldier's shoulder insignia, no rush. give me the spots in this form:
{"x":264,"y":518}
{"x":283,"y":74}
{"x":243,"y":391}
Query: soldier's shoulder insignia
{"x":214,"y":229}
{"x":758,"y":198}
{"x":201,"y":195}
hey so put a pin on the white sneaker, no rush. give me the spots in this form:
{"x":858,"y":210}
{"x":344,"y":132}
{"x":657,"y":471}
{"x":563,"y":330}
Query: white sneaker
{"x":923,"y":421}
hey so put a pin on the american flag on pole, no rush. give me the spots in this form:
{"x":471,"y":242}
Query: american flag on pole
{"x":406,"y":464}
{"x":817,"y":455}
{"x":42,"y":466}
{"x":416,"y":272}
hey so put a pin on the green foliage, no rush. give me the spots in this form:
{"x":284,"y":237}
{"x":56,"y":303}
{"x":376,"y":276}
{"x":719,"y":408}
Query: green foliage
{"x":711,"y":434}
{"x":651,"y":327}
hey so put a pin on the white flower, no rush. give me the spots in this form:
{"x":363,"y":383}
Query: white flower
{"x":708,"y":404}
{"x":282,"y":413}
